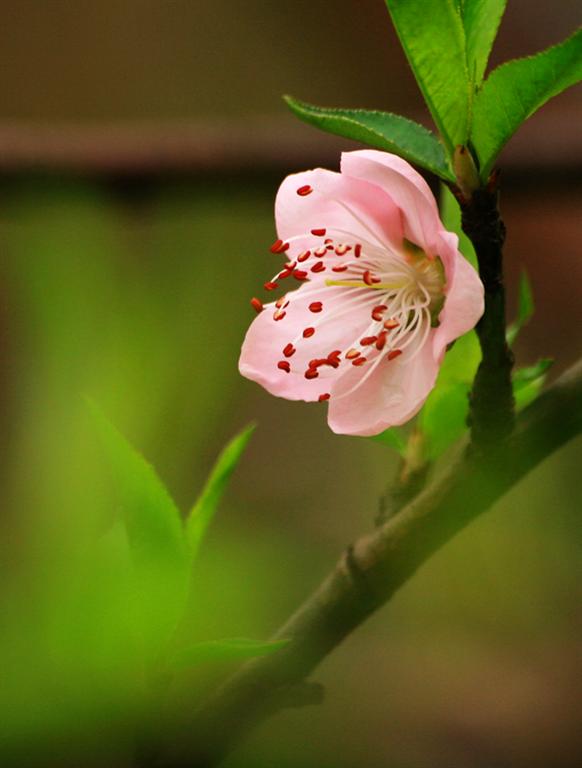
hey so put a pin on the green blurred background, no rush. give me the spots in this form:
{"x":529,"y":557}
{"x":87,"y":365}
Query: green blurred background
{"x":141,"y":144}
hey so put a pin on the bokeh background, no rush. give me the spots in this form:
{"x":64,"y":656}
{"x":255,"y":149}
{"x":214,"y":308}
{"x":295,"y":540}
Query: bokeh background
{"x":141,"y":144}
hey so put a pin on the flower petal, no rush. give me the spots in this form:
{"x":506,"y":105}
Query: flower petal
{"x":349,"y":317}
{"x":405,"y":186}
{"x":464,"y":301}
{"x":392,"y":395}
{"x":336,"y":203}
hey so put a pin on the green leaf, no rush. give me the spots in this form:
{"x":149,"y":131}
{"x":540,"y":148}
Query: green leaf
{"x":444,"y":415}
{"x":531,"y":373}
{"x":154,"y":532}
{"x":443,"y":420}
{"x":233,"y":649}
{"x":525,"y":308}
{"x":451,"y":218}
{"x":461,"y":361}
{"x":204,"y":508}
{"x":528,"y":382}
{"x":433,"y":39}
{"x":382,"y":130}
{"x":393,"y":438}
{"x":515,"y":90}
{"x":481,"y":19}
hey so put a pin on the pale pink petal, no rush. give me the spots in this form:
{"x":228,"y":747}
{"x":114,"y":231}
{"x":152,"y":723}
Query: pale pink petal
{"x":351,"y":205}
{"x":464,"y":301}
{"x":405,"y":186}
{"x":266,"y":339}
{"x":392,"y":395}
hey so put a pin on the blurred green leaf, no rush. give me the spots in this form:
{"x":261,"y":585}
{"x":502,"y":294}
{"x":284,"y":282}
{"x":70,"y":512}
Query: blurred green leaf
{"x":433,"y":40}
{"x":205,"y":507}
{"x":515,"y":90}
{"x":461,"y":361}
{"x":481,"y":19}
{"x":382,"y":130}
{"x":393,"y":438}
{"x":528,"y":382}
{"x":525,"y":308}
{"x":154,"y":532}
{"x":444,"y":415}
{"x":532,"y":372}
{"x":232,"y":649}
{"x":443,"y":420}
{"x":451,"y":218}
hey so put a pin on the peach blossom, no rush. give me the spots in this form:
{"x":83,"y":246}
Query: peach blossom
{"x":383,"y":291}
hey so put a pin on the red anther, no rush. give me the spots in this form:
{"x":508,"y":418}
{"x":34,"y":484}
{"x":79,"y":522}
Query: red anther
{"x":334,"y":355}
{"x":381,"y":341}
{"x":359,"y":361}
{"x":279,"y":247}
{"x":315,"y":306}
{"x":279,"y":314}
{"x":289,"y":350}
{"x":352,"y":353}
{"x":290,"y":266}
{"x":316,"y":362}
{"x":322,"y":398}
{"x":270,"y":286}
{"x":303,"y":256}
{"x":367,"y":340}
{"x":340,"y":268}
{"x":304,"y":190}
{"x":394,"y":353}
{"x":328,"y":240}
{"x":329,"y":247}
{"x":319,"y":252}
{"x":341,"y":249}
{"x":281,"y":302}
{"x":307,"y":332}
{"x":283,"y":365}
{"x":378,"y":312}
{"x":318,"y":232}
{"x":369,"y":278}
{"x":299,"y":274}
{"x":276,"y":247}
{"x":319,"y":266}
{"x":358,"y":250}
{"x":284,"y":274}
{"x":331,"y":361}
{"x":257,"y":305}
{"x":391,"y":324}
{"x":311,"y":373}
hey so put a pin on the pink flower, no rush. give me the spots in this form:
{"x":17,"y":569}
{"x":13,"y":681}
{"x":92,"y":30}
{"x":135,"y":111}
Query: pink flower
{"x":383,"y":291}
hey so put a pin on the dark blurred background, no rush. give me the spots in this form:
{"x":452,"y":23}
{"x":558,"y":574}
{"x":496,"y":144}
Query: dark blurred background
{"x":141,"y":145}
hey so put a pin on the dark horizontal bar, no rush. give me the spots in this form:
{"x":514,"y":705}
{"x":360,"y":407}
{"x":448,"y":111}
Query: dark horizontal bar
{"x":551,"y":141}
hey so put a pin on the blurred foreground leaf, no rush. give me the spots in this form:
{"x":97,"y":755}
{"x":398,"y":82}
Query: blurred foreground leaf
{"x":382,"y":130}
{"x":205,"y":507}
{"x":154,"y":532}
